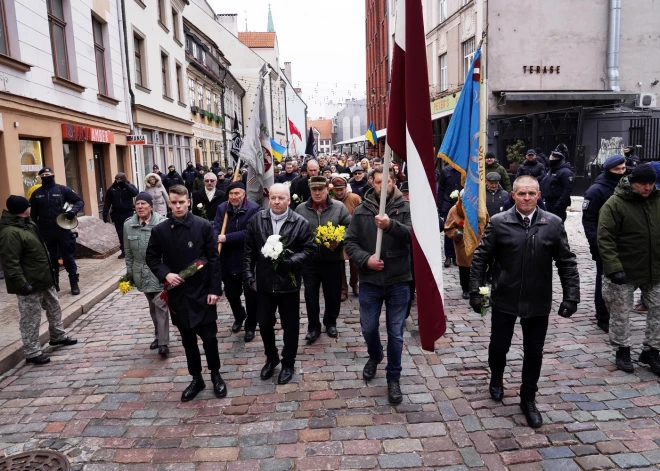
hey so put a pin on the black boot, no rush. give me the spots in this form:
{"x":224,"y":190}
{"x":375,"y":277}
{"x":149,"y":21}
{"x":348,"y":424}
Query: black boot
{"x":394,"y":392}
{"x":623,"y":361}
{"x":370,"y":368}
{"x":447,"y":263}
{"x":532,"y":414}
{"x":196,"y":385}
{"x":219,"y":386}
{"x":653,"y":360}
{"x":75,"y":289}
{"x":496,"y":389}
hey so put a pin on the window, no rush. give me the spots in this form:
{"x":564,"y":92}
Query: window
{"x":208,"y":100}
{"x":216,"y":108}
{"x":161,"y":12}
{"x":191,"y":91}
{"x":99,"y":54}
{"x":4,"y":37}
{"x":200,"y":96}
{"x":179,"y":79}
{"x":468,"y":54}
{"x":175,"y":24}
{"x":137,"y":47}
{"x":164,"y":66}
{"x":71,"y":167}
{"x":443,"y":10}
{"x":193,"y":49}
{"x":57,"y":27}
{"x":443,"y":73}
{"x":202,"y":55}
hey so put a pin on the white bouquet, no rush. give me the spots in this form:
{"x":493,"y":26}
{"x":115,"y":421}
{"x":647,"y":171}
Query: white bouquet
{"x":296,"y":199}
{"x":454,"y":195}
{"x":274,"y":250}
{"x":288,"y":184}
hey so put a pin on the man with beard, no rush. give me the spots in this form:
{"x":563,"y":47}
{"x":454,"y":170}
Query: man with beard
{"x":557,"y":185}
{"x":210,"y":197}
{"x":532,"y":166}
{"x":175,"y":245}
{"x":172,"y":178}
{"x":351,"y":201}
{"x":189,"y":175}
{"x":119,"y":199}
{"x":595,"y":197}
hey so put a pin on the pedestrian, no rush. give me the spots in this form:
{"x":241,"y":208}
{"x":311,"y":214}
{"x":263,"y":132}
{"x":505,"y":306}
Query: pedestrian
{"x":359,"y":181}
{"x":189,"y":175}
{"x":198,"y":183}
{"x":493,"y":166}
{"x":521,"y":244}
{"x":531,"y":166}
{"x":155,"y":169}
{"x":628,"y":235}
{"x":351,"y":201}
{"x":557,"y":185}
{"x":595,"y":197}
{"x":632,"y":159}
{"x":449,"y":185}
{"x":223,"y":182}
{"x":175,"y":245}
{"x":215,"y":168}
{"x":385,"y":279}
{"x":206,"y":201}
{"x":137,"y":232}
{"x":327,"y":172}
{"x":172,"y":178}
{"x":302,"y":185}
{"x":154,"y":186}
{"x":326,"y":268}
{"x":496,"y":196}
{"x":119,"y":204}
{"x":30,"y":276}
{"x":239,"y":211}
{"x":47,"y":202}
{"x":278,"y":288}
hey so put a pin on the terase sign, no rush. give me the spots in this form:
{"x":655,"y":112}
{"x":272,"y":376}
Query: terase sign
{"x":75,"y":132}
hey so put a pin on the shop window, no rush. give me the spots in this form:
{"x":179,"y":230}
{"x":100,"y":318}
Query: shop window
{"x":99,"y":55}
{"x":71,"y":166}
{"x":57,"y":26}
{"x":148,"y":157}
{"x":120,"y":159}
{"x":31,"y":162}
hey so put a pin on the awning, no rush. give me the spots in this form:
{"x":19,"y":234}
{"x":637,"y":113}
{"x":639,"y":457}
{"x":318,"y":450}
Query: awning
{"x":441,"y":114}
{"x":357,"y":140}
{"x":596,"y":95}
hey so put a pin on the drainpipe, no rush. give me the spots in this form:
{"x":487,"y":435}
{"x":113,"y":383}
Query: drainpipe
{"x":613,"y":34}
{"x":286,"y":119}
{"x":129,"y":96}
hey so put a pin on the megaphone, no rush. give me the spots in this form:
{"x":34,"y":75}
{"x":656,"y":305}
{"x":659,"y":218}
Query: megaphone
{"x":64,"y":222}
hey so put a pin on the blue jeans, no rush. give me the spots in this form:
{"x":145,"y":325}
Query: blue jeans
{"x":396,"y":299}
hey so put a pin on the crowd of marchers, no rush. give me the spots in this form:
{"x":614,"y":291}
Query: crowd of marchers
{"x":202,"y":216}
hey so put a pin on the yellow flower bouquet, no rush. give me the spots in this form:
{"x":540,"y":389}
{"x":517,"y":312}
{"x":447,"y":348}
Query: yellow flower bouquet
{"x":329,"y":235}
{"x":125,"y":284}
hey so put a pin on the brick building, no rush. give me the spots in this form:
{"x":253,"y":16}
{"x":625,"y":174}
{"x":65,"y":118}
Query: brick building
{"x":378,"y":65}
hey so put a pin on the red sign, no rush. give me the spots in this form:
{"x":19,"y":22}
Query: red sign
{"x":75,"y":132}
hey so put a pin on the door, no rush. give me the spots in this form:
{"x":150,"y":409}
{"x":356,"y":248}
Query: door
{"x":99,"y":174}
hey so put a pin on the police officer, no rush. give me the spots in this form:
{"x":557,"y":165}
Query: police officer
{"x":119,"y":198}
{"x":557,"y":185}
{"x":632,"y":160}
{"x":47,"y":203}
{"x":614,"y":169}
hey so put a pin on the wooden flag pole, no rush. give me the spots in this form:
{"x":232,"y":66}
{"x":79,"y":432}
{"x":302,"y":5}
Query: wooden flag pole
{"x":224,"y":222}
{"x":383,"y":196}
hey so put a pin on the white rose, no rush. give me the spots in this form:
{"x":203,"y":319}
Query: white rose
{"x":200,"y":206}
{"x":454,"y":194}
{"x":484,"y":291}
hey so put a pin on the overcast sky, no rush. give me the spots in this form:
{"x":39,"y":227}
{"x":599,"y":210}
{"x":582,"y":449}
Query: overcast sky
{"x":324,"y":41}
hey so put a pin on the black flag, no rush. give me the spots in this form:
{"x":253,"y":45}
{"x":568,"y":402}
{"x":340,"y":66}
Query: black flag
{"x":311,"y":149}
{"x":236,"y":141}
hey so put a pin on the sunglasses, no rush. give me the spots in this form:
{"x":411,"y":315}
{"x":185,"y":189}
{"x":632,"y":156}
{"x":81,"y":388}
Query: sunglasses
{"x":208,"y":181}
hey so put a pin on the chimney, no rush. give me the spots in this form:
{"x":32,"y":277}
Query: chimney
{"x":229,"y":21}
{"x":287,"y":71}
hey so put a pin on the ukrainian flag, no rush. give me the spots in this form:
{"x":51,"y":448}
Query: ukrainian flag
{"x":278,"y":150}
{"x":371,"y":134}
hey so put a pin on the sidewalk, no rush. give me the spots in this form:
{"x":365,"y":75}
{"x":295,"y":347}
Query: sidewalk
{"x":97,"y":279}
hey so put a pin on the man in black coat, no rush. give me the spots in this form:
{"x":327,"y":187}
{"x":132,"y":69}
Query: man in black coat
{"x":175,"y":245}
{"x":156,"y":169}
{"x":449,"y":182}
{"x":172,"y":178}
{"x":301,"y":187}
{"x":557,"y":185}
{"x":189,"y":175}
{"x":521,"y":244}
{"x":209,"y":198}
{"x":614,"y":168}
{"x":278,"y":288}
{"x":119,"y":199}
{"x":532,"y":166}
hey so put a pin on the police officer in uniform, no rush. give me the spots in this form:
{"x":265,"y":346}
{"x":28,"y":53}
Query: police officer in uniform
{"x":47,"y":203}
{"x":557,"y":185}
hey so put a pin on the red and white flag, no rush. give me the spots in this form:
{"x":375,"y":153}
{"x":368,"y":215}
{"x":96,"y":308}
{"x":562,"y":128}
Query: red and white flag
{"x":409,"y":134}
{"x":294,"y":130}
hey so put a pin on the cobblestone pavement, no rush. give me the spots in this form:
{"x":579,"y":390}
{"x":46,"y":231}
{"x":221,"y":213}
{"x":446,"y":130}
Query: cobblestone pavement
{"x":111,"y":404}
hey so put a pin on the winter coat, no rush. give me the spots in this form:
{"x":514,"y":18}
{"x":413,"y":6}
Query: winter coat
{"x":223,"y":184}
{"x":211,"y":207}
{"x":495,"y":200}
{"x":334,"y":212}
{"x":301,"y":189}
{"x":160,"y":174}
{"x":360,"y":239}
{"x":628,"y":235}
{"x":24,"y":255}
{"x":119,"y":198}
{"x":521,"y":261}
{"x":158,"y":194}
{"x":136,"y":241}
{"x":189,"y":175}
{"x":198,"y":184}
{"x":456,"y":222}
{"x":556,"y":188}
{"x":47,"y":203}
{"x":171,"y":179}
{"x":231,"y":256}
{"x":358,"y":188}
{"x":297,"y":238}
{"x":534,"y":169}
{"x":174,"y":246}
{"x":351,"y":201}
{"x":450,"y":181}
{"x":287,"y":177}
{"x":497,"y":168}
{"x":594,"y":199}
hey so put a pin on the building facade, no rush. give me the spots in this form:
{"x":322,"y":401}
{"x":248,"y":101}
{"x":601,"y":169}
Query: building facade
{"x":322,"y":129}
{"x":378,"y":64}
{"x":351,"y":121}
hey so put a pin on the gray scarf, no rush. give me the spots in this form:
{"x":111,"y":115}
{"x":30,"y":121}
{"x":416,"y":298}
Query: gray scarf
{"x":278,"y":220}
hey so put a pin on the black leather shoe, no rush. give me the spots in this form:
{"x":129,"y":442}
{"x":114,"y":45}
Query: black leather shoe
{"x":370,"y":368}
{"x":604,"y":326}
{"x":532,"y":414}
{"x":219,"y":386}
{"x":75,"y":289}
{"x":268,"y":369}
{"x":394,"y":392}
{"x":154,"y":345}
{"x":65,"y":341}
{"x":447,"y":263}
{"x":163,"y":350}
{"x":332,"y":331}
{"x":285,"y":375}
{"x":311,"y":336}
{"x":196,"y":385}
{"x":236,"y":326}
{"x":496,"y":389}
{"x":249,"y":335}
{"x":40,"y":360}
{"x":122,"y":255}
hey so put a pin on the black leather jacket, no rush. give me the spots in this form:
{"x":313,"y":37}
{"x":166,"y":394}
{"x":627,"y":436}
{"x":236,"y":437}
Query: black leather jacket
{"x":522,"y":263}
{"x":297,"y":238}
{"x":48,"y":203}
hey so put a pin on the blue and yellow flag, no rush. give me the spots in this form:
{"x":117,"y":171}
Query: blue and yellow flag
{"x":278,"y":150}
{"x":371,"y":134}
{"x":463,"y":148}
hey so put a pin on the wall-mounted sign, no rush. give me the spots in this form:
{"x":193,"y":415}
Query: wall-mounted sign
{"x":541,"y":69}
{"x":75,"y":132}
{"x":446,"y":103}
{"x":136,"y":139}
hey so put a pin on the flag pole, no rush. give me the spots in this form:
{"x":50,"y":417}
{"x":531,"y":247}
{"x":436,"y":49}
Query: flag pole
{"x":224,"y":222}
{"x":387,"y":158}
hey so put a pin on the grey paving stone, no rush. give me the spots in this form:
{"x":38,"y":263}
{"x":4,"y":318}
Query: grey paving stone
{"x":630,"y":460}
{"x":400,"y":460}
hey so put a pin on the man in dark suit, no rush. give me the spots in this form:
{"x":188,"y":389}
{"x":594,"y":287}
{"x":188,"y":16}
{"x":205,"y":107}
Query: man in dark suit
{"x":209,"y":198}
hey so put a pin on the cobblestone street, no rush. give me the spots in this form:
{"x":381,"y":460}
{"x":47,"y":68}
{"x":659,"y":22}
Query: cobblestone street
{"x":111,"y":404}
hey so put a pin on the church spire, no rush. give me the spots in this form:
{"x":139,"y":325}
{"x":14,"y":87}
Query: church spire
{"x":271,"y":26}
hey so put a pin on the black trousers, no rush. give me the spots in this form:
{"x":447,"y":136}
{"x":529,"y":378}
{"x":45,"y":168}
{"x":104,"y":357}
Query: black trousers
{"x":464,"y":278}
{"x":316,"y":274}
{"x":602,"y":313}
{"x":208,"y":334}
{"x":288,"y":305}
{"x":534,"y":331}
{"x":233,"y":291}
{"x":65,"y":242}
{"x":450,"y":251}
{"x":118,"y":219}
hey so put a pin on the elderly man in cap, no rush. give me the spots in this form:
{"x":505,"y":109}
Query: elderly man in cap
{"x":137,"y":232}
{"x":351,"y":201}
{"x":223,"y":181}
{"x":206,"y":201}
{"x":47,"y":203}
{"x":614,"y":168}
{"x":496,"y":196}
{"x":628,"y":235}
{"x":29,"y":275}
{"x":327,"y":267}
{"x":119,"y":203}
{"x":238,"y":210}
{"x":532,"y":167}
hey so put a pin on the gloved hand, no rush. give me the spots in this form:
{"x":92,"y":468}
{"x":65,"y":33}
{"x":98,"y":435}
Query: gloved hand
{"x":476,"y":300}
{"x":27,"y":289}
{"x":618,"y":277}
{"x":595,"y":254}
{"x":70,"y":214}
{"x":567,"y":308}
{"x":105,"y":218}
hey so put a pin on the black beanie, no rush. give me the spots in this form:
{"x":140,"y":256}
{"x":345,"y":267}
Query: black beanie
{"x":146,"y":197}
{"x":17,"y":204}
{"x":234,"y":185}
{"x":643,"y":173}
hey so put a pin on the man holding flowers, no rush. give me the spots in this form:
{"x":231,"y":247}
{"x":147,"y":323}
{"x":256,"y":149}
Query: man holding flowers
{"x":328,"y":219}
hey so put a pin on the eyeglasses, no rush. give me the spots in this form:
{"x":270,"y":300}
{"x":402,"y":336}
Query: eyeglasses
{"x":209,"y":181}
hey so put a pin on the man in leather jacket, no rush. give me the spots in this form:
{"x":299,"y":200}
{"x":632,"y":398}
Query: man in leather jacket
{"x":119,"y":199}
{"x":278,"y":285}
{"x":532,"y":166}
{"x":521,"y":244}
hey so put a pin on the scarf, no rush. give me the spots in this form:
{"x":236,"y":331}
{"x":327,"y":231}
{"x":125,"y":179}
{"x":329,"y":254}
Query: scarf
{"x":278,"y":220}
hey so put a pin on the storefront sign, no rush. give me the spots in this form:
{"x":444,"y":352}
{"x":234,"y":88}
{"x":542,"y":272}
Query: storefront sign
{"x":541,"y":69}
{"x":74,"y":132}
{"x":446,"y":103}
{"x":136,"y":139}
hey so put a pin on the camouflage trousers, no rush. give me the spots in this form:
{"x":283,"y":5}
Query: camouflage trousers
{"x":30,"y":307}
{"x":619,"y":300}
